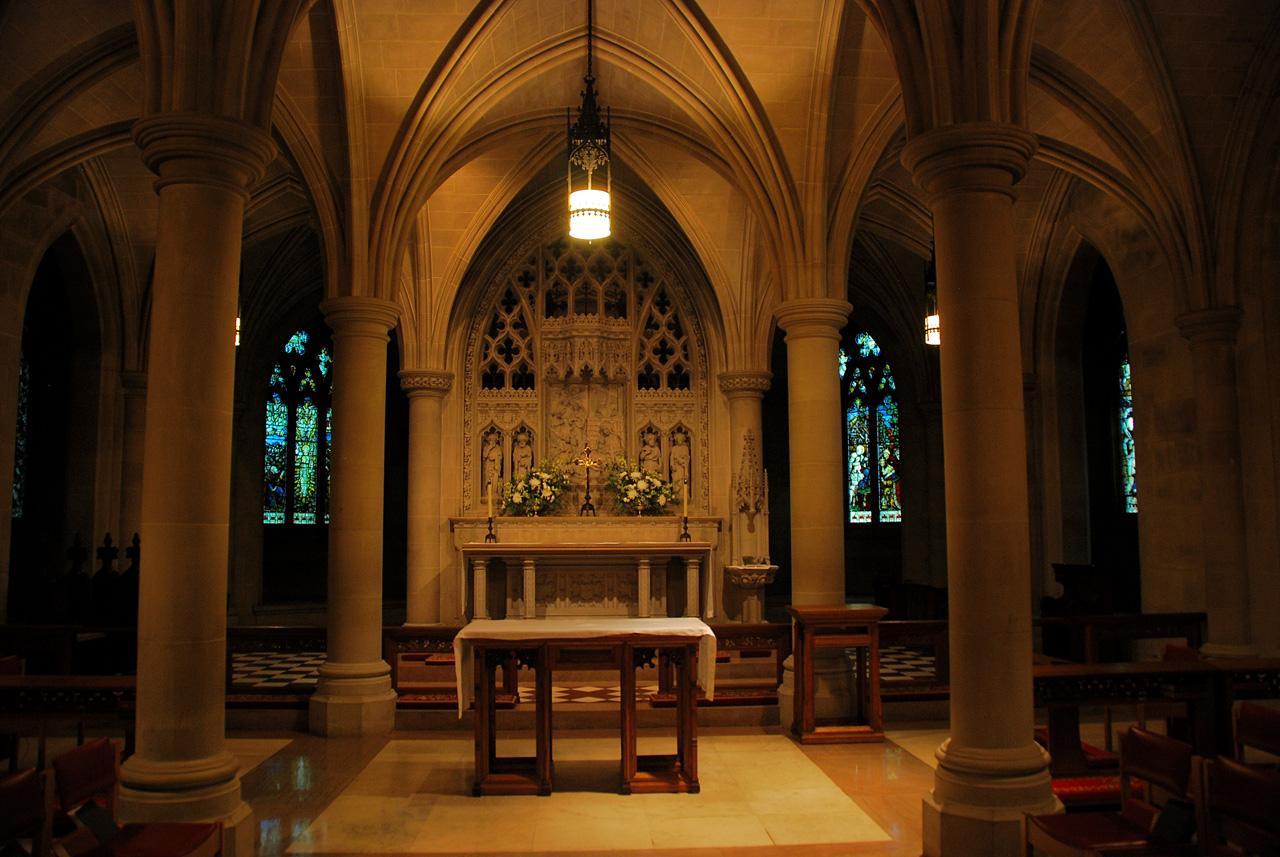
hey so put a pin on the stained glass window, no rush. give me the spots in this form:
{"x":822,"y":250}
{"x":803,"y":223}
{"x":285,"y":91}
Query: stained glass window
{"x":871,"y":434}
{"x":1128,"y":470}
{"x":20,"y":439}
{"x":296,"y":464}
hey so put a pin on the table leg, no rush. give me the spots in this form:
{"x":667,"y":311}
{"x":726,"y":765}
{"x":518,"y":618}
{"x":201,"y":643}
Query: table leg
{"x":542,"y":718}
{"x":687,"y":725}
{"x":627,"y":676}
{"x":486,"y":741}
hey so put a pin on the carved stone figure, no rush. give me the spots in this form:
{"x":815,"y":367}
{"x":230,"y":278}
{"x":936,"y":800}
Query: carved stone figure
{"x":492,"y":460}
{"x":650,"y":453}
{"x":521,"y":455}
{"x":679,"y":458}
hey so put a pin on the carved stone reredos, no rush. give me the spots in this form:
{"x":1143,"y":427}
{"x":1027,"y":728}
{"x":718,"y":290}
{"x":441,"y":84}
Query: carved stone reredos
{"x":586,"y":346}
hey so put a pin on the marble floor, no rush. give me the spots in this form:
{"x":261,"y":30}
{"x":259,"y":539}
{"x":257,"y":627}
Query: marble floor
{"x":762,"y":794}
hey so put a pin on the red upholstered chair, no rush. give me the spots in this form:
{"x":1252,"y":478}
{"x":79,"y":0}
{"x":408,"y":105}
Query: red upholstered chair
{"x":26,"y":810}
{"x":1164,"y":764}
{"x":88,"y":776}
{"x":1240,"y":809}
{"x":1258,"y":728}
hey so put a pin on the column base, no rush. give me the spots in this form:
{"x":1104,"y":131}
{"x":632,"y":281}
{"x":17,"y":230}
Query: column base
{"x":348,"y":707}
{"x":215,"y":803}
{"x":977,"y":811}
{"x":833,"y":689}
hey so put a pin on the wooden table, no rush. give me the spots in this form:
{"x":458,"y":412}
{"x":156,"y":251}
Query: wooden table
{"x":485,"y":644}
{"x":846,"y":628}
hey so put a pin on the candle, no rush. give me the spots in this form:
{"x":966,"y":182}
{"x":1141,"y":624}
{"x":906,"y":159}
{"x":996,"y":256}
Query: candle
{"x":684,"y":498}
{"x":488,"y":497}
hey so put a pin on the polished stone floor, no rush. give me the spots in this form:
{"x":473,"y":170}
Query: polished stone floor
{"x":762,"y":794}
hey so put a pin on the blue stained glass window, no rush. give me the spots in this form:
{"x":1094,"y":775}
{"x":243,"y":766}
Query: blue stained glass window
{"x":1128,"y":469}
{"x":871,"y":434}
{"x":304,"y":464}
{"x":297,"y":446}
{"x":277,"y":461}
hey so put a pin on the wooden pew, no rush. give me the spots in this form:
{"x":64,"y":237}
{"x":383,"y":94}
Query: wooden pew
{"x":40,"y":705}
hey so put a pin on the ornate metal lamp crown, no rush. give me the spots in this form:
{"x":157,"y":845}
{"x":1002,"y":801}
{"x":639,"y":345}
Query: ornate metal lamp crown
{"x":589,"y":151}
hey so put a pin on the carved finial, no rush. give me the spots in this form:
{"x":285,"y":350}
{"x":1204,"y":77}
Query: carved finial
{"x":749,"y":492}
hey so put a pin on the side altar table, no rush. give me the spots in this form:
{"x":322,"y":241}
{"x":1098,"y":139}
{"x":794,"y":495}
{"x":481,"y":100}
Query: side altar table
{"x":485,"y":644}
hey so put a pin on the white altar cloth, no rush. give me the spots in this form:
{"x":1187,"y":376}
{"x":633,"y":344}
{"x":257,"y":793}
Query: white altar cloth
{"x":533,"y":630}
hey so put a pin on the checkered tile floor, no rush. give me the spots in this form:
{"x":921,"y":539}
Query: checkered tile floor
{"x":272,"y":671}
{"x":283,"y":673}
{"x":901,"y":663}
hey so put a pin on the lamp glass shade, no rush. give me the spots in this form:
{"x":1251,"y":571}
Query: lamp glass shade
{"x":932,"y":333}
{"x":589,"y":214}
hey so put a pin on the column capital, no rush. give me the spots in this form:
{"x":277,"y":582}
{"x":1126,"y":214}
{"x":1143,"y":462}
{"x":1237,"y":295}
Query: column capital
{"x":813,"y":316}
{"x":360,"y":316}
{"x":745,"y":382}
{"x":199,"y":148}
{"x":425,"y":382}
{"x":1214,"y":325}
{"x":974,"y":156}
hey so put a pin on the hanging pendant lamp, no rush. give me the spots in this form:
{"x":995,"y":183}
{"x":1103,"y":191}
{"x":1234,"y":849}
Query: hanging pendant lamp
{"x":932,"y":323}
{"x":588,"y":152}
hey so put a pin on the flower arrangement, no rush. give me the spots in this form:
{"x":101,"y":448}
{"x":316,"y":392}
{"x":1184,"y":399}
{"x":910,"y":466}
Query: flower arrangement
{"x":635,"y":490}
{"x":540,"y":490}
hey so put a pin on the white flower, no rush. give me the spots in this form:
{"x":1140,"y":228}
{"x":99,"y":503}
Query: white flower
{"x":533,"y":481}
{"x":662,"y":499}
{"x":635,"y":474}
{"x":546,"y":491}
{"x":631,"y":494}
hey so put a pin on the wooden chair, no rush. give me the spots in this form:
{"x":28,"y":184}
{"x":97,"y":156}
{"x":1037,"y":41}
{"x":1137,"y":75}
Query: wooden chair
{"x":1257,"y":727}
{"x":88,"y":776}
{"x":1239,"y":810}
{"x":26,"y":810}
{"x":1164,"y":764}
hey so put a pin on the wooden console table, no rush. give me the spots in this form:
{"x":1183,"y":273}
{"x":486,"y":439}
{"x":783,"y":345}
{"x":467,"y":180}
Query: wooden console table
{"x":846,"y":628}
{"x":531,"y":558}
{"x":485,"y":644}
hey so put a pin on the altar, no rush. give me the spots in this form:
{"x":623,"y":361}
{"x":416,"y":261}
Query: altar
{"x":587,"y":567}
{"x":588,"y":579}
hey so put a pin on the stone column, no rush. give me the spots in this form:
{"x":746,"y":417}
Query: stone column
{"x":817,"y":448}
{"x":182,"y":769}
{"x":817,"y":464}
{"x":990,"y":770}
{"x":353,"y":695}
{"x":1212,"y":333}
{"x":426,"y":390}
{"x":134,"y":386}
